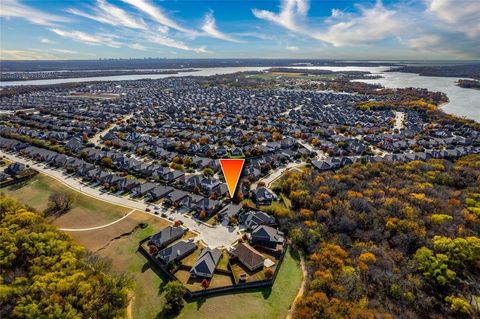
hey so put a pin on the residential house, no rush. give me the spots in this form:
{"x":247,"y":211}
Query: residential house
{"x":206,"y":263}
{"x":176,"y":252}
{"x":248,"y":256}
{"x":267,"y":236}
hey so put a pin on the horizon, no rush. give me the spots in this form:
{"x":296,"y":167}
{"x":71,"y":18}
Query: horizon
{"x":389,"y":30}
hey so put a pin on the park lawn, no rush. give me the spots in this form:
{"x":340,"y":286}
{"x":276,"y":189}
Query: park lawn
{"x":262,"y":303}
{"x":86,"y":211}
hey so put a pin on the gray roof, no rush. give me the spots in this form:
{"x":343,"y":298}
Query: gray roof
{"x":166,"y":235}
{"x":176,"y":251}
{"x":207,"y":261}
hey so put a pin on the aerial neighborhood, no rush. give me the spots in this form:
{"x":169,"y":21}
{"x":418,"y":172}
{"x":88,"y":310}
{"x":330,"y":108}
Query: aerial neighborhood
{"x":159,"y":142}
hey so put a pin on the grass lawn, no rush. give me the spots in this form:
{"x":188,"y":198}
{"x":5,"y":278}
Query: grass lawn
{"x":148,"y":300}
{"x":262,"y":303}
{"x":86,"y":211}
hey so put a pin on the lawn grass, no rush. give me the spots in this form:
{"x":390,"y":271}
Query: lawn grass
{"x":262,"y":303}
{"x":148,"y":299}
{"x":86,"y":211}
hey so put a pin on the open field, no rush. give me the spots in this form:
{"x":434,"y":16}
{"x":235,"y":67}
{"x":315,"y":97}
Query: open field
{"x":86,"y":211}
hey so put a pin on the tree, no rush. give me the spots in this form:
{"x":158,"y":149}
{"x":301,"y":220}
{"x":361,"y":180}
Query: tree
{"x":59,"y":203}
{"x":208,"y":172}
{"x":268,"y":272}
{"x":174,"y":292}
{"x":205,"y":283}
{"x":50,"y":276}
{"x":107,"y":162}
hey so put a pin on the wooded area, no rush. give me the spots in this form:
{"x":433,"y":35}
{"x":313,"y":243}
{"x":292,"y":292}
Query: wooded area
{"x":388,"y":240}
{"x":45,"y":274}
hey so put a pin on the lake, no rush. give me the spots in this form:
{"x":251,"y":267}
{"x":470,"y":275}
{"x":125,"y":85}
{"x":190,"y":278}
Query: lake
{"x":462,"y":102}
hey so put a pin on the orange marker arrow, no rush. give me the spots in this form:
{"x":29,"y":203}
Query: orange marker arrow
{"x":232,"y":168}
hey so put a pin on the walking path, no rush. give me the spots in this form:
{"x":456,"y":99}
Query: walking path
{"x":98,"y":227}
{"x":218,"y":236}
{"x":302,"y":289}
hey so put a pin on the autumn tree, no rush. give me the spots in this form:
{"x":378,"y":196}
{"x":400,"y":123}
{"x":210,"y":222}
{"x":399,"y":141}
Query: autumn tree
{"x":174,"y":292}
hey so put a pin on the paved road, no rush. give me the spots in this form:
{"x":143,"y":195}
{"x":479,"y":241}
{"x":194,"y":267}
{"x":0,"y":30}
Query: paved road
{"x":276,"y":174}
{"x":218,"y":236}
{"x":96,"y":139}
{"x":399,"y":120}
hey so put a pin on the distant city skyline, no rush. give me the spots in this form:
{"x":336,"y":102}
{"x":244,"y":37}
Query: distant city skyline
{"x":363,"y":29}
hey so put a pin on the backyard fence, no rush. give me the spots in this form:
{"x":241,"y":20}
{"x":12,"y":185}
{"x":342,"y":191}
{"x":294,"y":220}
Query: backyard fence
{"x":218,"y":290}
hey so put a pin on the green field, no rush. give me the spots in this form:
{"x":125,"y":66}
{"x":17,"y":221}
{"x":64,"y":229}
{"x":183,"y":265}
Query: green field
{"x":86,"y":211}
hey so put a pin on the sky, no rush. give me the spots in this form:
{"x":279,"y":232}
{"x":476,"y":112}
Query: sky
{"x":316,"y":29}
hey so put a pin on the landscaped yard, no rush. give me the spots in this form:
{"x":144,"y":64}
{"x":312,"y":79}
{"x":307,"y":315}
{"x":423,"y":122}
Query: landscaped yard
{"x":262,"y":303}
{"x":218,"y":280}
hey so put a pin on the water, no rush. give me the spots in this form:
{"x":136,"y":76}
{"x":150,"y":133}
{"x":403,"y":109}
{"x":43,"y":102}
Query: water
{"x":462,"y":102}
{"x":200,"y":72}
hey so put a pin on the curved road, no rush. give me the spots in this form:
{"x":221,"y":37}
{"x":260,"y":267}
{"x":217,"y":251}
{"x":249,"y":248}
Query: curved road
{"x":218,"y":236}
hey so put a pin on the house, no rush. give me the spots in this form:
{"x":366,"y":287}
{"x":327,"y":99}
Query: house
{"x":173,"y":198}
{"x":126,"y":184}
{"x":209,"y":183}
{"x":143,"y":189}
{"x":166,"y":236}
{"x":176,"y":252}
{"x":173,"y":176}
{"x":229,"y":211}
{"x":15,"y":168}
{"x":267,"y":236}
{"x":249,"y":256}
{"x":263,"y":196}
{"x":206,"y":263}
{"x":209,"y":206}
{"x":4,"y":177}
{"x":253,"y":218}
{"x":159,"y":192}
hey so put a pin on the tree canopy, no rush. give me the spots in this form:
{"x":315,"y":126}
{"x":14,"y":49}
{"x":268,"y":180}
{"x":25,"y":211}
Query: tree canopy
{"x":45,"y":274}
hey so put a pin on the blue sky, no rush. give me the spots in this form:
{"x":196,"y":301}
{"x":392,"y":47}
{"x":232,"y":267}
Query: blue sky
{"x":363,"y":29}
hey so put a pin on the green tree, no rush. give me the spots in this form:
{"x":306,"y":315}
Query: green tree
{"x":107,"y":162}
{"x":174,"y":292}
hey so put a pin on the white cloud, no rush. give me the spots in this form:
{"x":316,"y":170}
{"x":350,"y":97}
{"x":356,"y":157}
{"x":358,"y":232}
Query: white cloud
{"x":25,"y":55}
{"x":369,"y":25}
{"x":460,"y":15}
{"x":137,"y":46}
{"x":169,"y":42}
{"x":210,"y":28}
{"x":46,"y":41}
{"x":66,"y":51}
{"x":291,"y":12}
{"x":292,"y":48}
{"x":425,"y":42}
{"x":110,"y":14}
{"x":158,"y":15}
{"x":15,"y":9}
{"x":92,"y":39}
